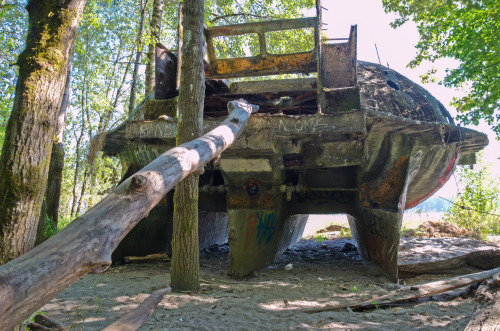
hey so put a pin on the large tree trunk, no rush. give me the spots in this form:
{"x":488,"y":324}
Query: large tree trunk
{"x":50,"y":206}
{"x":155,"y":28}
{"x":135,"y":75}
{"x":24,"y":163}
{"x":86,"y":244}
{"x":185,"y":268}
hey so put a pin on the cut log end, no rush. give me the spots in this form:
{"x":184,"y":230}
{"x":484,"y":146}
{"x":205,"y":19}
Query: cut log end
{"x":138,"y":183}
{"x":243,"y":104}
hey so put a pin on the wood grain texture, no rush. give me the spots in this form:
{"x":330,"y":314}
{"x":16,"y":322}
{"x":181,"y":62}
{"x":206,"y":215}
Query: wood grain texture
{"x":134,"y":319}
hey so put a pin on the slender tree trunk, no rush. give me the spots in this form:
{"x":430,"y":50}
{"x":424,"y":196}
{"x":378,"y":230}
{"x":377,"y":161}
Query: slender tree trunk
{"x":155,"y":28}
{"x":50,"y":205}
{"x":133,"y":88}
{"x":78,"y":156}
{"x":185,"y":252}
{"x":24,"y":163}
{"x":82,"y":192}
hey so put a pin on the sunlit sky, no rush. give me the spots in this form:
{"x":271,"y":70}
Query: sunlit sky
{"x":396,"y":47}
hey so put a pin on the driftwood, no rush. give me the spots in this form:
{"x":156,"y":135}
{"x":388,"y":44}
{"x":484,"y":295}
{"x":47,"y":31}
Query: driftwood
{"x":487,"y":309}
{"x":148,"y":258}
{"x":413,"y":292}
{"x":134,"y":319}
{"x":44,"y":323}
{"x":484,"y":259}
{"x":85,"y":245}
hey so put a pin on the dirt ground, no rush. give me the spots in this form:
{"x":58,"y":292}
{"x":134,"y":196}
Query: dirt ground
{"x":310,"y":274}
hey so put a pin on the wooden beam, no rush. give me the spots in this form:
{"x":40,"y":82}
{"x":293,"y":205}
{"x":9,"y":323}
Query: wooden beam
{"x":273,"y":86}
{"x":86,"y":244}
{"x":413,"y":292}
{"x":134,"y":319}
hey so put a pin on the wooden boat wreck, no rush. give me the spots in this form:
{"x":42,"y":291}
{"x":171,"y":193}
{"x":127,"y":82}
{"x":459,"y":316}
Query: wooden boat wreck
{"x":357,"y":138}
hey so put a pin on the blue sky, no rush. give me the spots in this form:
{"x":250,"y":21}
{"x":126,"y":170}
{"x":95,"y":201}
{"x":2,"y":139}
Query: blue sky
{"x":397,"y":48}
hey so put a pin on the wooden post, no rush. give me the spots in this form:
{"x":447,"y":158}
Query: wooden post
{"x":85,"y":245}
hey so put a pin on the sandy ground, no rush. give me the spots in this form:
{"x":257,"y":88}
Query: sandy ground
{"x":324,"y":272}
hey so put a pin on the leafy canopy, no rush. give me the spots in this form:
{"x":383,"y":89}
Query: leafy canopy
{"x":466,"y":30}
{"x":477,"y":206}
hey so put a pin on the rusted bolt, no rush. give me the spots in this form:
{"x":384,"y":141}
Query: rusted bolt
{"x":138,"y":183}
{"x":252,"y":187}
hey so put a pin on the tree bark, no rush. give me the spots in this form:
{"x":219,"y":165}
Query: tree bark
{"x":484,"y":259}
{"x":135,"y":75}
{"x":50,"y":205}
{"x":487,"y":308}
{"x":185,"y":269}
{"x":155,"y":28}
{"x":24,"y":162}
{"x":86,"y":244}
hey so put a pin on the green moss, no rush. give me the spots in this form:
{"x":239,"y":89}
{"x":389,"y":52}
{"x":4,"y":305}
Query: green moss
{"x":156,"y":108}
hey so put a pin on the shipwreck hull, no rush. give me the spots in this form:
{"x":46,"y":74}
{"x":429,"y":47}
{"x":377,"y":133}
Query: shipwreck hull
{"x":358,"y":139}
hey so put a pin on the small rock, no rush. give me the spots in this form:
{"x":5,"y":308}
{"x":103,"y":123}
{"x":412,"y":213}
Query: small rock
{"x":348,"y":247}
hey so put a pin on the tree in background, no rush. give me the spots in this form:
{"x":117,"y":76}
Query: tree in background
{"x":185,"y":253}
{"x":467,"y":31}
{"x":477,"y":205}
{"x":29,"y":134}
{"x":154,"y":35}
{"x":49,"y":215}
{"x":13,"y":29}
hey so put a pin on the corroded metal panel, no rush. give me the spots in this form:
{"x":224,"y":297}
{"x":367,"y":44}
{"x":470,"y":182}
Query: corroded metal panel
{"x":264,"y":63}
{"x":268,"y":64}
{"x":165,"y":73}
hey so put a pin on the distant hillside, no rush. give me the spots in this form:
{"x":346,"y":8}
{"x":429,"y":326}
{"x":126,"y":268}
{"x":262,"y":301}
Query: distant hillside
{"x":434,"y":204}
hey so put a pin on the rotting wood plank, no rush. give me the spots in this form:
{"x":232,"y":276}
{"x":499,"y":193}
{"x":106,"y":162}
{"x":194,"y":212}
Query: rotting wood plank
{"x":412,"y":292}
{"x":273,"y":86}
{"x":86,"y":244}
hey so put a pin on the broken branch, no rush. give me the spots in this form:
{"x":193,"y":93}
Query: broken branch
{"x":484,"y":259}
{"x":134,"y":319}
{"x":413,"y":292}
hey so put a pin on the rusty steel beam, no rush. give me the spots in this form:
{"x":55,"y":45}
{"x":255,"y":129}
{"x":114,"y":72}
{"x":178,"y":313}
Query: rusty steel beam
{"x":264,"y":63}
{"x":260,"y":65}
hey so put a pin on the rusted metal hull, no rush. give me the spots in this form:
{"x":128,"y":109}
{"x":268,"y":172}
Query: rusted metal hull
{"x":371,"y":163}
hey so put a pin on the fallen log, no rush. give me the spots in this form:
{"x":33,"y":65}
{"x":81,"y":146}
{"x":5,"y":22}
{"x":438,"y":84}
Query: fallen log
{"x":483,"y":259}
{"x":487,"y":308}
{"x":134,"y":319}
{"x":86,"y":244}
{"x":44,"y":323}
{"x":413,"y":292}
{"x":159,"y":257}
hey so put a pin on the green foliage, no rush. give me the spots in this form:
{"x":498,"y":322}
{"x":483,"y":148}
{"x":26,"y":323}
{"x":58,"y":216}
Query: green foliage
{"x":224,"y":12}
{"x":467,"y":31}
{"x":477,"y":204}
{"x":345,"y":233}
{"x":50,"y":227}
{"x":13,"y":29}
{"x":320,"y":238}
{"x":31,"y":319}
{"x":104,"y":52}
